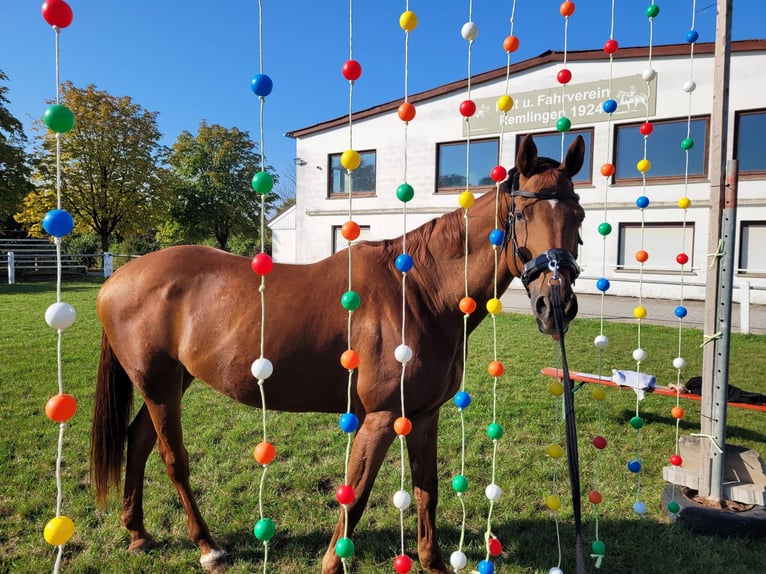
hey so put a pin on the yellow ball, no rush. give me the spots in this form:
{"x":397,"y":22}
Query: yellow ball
{"x":556,"y":388}
{"x":505,"y":103}
{"x":553,"y":502}
{"x":408,"y":21}
{"x":598,"y":394}
{"x":644,"y":165}
{"x":466,"y":200}
{"x":350,"y":159}
{"x":684,"y":203}
{"x":555,"y":451}
{"x":58,"y":531}
{"x":494,"y":306}
{"x":639,"y":312}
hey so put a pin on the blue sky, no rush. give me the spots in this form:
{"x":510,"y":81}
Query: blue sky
{"x":194,"y":60}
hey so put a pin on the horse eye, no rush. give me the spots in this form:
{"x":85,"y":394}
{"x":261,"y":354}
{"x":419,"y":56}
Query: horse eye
{"x":520,"y":216}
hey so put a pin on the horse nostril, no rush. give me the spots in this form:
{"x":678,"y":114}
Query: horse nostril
{"x":542,"y":308}
{"x":571,"y":308}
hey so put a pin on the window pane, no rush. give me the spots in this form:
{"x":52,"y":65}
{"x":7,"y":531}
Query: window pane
{"x":751,"y":128}
{"x":662,"y":241}
{"x":752,"y":256}
{"x":362,"y":178}
{"x":549,"y":145}
{"x":452,"y":162}
{"x":663,"y":149}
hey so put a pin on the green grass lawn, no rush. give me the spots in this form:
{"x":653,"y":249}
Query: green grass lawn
{"x":220,"y":436}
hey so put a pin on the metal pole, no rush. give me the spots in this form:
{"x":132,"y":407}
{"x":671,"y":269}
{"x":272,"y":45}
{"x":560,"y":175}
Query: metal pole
{"x":716,"y":353}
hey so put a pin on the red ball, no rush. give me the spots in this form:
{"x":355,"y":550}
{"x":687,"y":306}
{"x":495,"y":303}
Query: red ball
{"x":262,"y":264}
{"x":594,"y":496}
{"x":676,"y":460}
{"x":599,"y":442}
{"x":494,"y":547}
{"x":564,"y":76}
{"x":682,"y":258}
{"x":402,"y":564}
{"x":351,"y":70}
{"x":467,"y":108}
{"x":345,"y":494}
{"x":498,"y":174}
{"x":610,"y":46}
{"x":61,"y":408}
{"x":57,"y":13}
{"x":646,"y":128}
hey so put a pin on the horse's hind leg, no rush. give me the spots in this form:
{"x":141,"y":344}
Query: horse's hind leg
{"x":141,"y":440}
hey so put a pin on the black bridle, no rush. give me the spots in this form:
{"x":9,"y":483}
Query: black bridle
{"x":552,"y":259}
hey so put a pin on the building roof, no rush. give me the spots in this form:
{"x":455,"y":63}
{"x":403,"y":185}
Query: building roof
{"x":547,"y":57}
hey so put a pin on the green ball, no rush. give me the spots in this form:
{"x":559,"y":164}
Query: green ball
{"x":405,"y":192}
{"x":598,"y":547}
{"x":262,"y":182}
{"x":350,"y":300}
{"x":344,"y":547}
{"x":459,"y":483}
{"x":264,"y":529}
{"x":563,"y":124}
{"x":687,"y":144}
{"x":495,"y":431}
{"x":652,"y":11}
{"x":636,"y":422}
{"x":59,"y":118}
{"x":604,"y":229}
{"x":673,"y":507}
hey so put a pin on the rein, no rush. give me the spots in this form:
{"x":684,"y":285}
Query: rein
{"x":573,"y":459}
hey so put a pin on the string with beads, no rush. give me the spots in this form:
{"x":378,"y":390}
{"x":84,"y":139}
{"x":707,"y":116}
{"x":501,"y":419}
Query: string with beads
{"x":60,"y":315}
{"x":262,"y":183}
{"x":680,"y":312}
{"x":350,"y":300}
{"x":408,"y":21}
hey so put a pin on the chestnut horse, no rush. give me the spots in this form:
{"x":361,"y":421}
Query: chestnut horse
{"x":192,"y":312}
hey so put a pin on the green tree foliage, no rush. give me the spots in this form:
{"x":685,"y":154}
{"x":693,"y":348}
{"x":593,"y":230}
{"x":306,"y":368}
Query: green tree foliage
{"x":214,"y":197}
{"x":112,"y":180}
{"x":14,"y":166}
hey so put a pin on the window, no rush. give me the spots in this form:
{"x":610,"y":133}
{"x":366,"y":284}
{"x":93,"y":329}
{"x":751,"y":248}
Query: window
{"x":749,"y":148}
{"x":451,"y":165}
{"x":549,"y":145}
{"x":752,"y":256}
{"x":662,"y":242}
{"x":663,"y":150}
{"x":362,"y":178}
{"x":338,"y":241}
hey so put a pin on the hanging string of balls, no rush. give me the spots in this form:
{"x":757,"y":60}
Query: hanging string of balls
{"x":262,"y":183}
{"x":58,"y":223}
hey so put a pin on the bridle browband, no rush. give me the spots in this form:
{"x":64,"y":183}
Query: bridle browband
{"x":552,"y":259}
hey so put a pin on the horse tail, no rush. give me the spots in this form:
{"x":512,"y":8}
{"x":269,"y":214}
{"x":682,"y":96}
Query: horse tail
{"x":111,"y":414}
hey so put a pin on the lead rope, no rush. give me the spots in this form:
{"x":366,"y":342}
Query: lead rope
{"x":573,"y":460}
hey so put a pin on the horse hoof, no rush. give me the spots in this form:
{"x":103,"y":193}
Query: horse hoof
{"x":143,"y":544}
{"x":212,"y":559}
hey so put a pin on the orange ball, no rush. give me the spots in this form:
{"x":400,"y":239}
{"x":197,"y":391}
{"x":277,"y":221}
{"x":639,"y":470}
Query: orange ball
{"x":677,"y":412}
{"x":641,"y":256}
{"x":349,"y":359}
{"x":264,"y":452}
{"x":607,"y":169}
{"x":467,"y":305}
{"x":350,"y":230}
{"x":60,"y":408}
{"x":567,"y":8}
{"x":495,"y":369}
{"x":511,"y":43}
{"x":402,"y":426}
{"x":406,"y":112}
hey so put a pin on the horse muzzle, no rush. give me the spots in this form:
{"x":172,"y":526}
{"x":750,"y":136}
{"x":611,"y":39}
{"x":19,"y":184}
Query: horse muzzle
{"x":553,"y":301}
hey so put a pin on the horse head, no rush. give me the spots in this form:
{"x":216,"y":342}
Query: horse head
{"x":543,"y":230}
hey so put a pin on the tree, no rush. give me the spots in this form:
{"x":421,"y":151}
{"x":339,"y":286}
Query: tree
{"x":112,"y":179}
{"x":14,"y":165}
{"x":215,"y":197}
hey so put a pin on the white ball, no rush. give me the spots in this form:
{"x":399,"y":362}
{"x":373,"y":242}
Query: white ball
{"x":690,"y":86}
{"x":555,"y":570}
{"x":403,"y":354}
{"x":60,"y":316}
{"x":469,"y":31}
{"x":402,"y":499}
{"x":493,"y":492}
{"x":458,"y":560}
{"x":601,"y":341}
{"x":649,"y":74}
{"x":679,"y":363}
{"x":262,"y":368}
{"x":639,"y":355}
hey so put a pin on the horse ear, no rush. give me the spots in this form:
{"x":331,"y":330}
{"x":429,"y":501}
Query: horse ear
{"x":575,"y":157}
{"x":526,"y":159}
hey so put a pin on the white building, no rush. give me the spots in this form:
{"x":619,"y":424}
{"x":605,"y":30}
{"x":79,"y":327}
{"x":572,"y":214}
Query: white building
{"x":436,"y":161}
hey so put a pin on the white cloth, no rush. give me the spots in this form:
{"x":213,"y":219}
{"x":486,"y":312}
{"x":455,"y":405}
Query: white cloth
{"x":639,"y":382}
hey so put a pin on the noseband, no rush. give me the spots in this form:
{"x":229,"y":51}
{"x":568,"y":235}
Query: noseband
{"x":553,"y":259}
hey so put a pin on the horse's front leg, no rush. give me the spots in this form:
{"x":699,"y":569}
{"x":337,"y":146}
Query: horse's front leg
{"x":141,"y":440}
{"x":370,"y":446}
{"x":421,"y":447}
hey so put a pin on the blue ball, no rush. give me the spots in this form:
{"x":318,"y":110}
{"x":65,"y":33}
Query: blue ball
{"x":639,"y":507}
{"x":404,"y":263}
{"x":348,"y":422}
{"x":610,"y":106}
{"x":680,"y":311}
{"x":261,"y":85}
{"x":692,"y":36}
{"x":634,"y":465}
{"x":497,"y":237}
{"x":642,"y":202}
{"x":58,"y":223}
{"x":603,"y":284}
{"x":462,"y":400}
{"x":485,"y":567}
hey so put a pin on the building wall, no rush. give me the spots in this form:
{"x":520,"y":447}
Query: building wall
{"x":438,"y":121}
